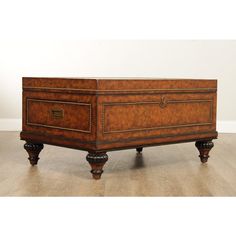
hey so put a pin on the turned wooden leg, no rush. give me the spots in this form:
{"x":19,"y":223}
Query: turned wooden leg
{"x":204,"y":148}
{"x":97,"y":161}
{"x":139,"y":149}
{"x":33,"y":150}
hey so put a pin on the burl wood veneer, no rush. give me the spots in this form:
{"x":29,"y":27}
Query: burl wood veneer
{"x":100,"y":115}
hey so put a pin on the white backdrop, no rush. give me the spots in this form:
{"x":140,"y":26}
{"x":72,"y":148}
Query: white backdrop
{"x":156,"y":58}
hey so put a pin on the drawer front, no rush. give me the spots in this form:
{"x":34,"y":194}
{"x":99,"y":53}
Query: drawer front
{"x":141,"y":116}
{"x":71,"y":116}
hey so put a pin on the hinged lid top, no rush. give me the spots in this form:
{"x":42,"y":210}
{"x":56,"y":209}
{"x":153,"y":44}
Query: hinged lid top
{"x":114,"y":85}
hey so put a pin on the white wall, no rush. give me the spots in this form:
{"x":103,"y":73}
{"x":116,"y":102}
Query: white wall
{"x":156,"y":58}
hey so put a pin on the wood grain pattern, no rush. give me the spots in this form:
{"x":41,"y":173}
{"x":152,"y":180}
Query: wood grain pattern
{"x":100,"y":115}
{"x":74,"y":116}
{"x":171,"y":170}
{"x":193,"y":118}
{"x":71,"y":120}
{"x":152,"y":115}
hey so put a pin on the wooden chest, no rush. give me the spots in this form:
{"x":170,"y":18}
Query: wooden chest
{"x":100,"y":115}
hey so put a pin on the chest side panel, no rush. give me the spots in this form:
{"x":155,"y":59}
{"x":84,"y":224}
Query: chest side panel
{"x":61,"y":115}
{"x":156,"y":115}
{"x":127,"y":119}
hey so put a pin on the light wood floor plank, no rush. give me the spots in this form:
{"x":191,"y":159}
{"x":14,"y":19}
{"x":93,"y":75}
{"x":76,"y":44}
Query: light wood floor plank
{"x":171,"y":170}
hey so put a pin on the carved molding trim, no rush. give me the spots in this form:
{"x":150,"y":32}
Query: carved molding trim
{"x":120,"y":92}
{"x":41,"y":137}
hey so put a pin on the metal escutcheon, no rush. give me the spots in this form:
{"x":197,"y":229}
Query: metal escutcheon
{"x":163,"y":102}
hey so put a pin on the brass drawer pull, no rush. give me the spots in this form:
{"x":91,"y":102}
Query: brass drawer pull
{"x":57,"y":113}
{"x":163,"y":102}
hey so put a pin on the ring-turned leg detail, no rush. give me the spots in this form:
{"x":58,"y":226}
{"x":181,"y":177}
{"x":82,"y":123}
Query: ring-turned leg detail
{"x":139,"y":149}
{"x":33,"y":150}
{"x":204,"y":148}
{"x":97,"y":161}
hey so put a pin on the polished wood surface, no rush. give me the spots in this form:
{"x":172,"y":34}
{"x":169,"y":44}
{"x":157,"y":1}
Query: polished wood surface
{"x":170,"y":170}
{"x":59,"y":115}
{"x":100,"y":115}
{"x":33,"y":150}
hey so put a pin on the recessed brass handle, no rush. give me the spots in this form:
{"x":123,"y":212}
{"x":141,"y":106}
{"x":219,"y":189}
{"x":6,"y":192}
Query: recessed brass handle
{"x":163,"y":102}
{"x":57,"y":113}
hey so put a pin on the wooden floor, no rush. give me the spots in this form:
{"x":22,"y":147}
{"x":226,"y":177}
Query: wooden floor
{"x":172,"y":170}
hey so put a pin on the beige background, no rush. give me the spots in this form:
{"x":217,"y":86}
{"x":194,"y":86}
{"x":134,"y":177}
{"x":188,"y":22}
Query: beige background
{"x":155,"y":58}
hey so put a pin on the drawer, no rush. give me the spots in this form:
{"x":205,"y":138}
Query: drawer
{"x":71,"y":116}
{"x":167,"y":112}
